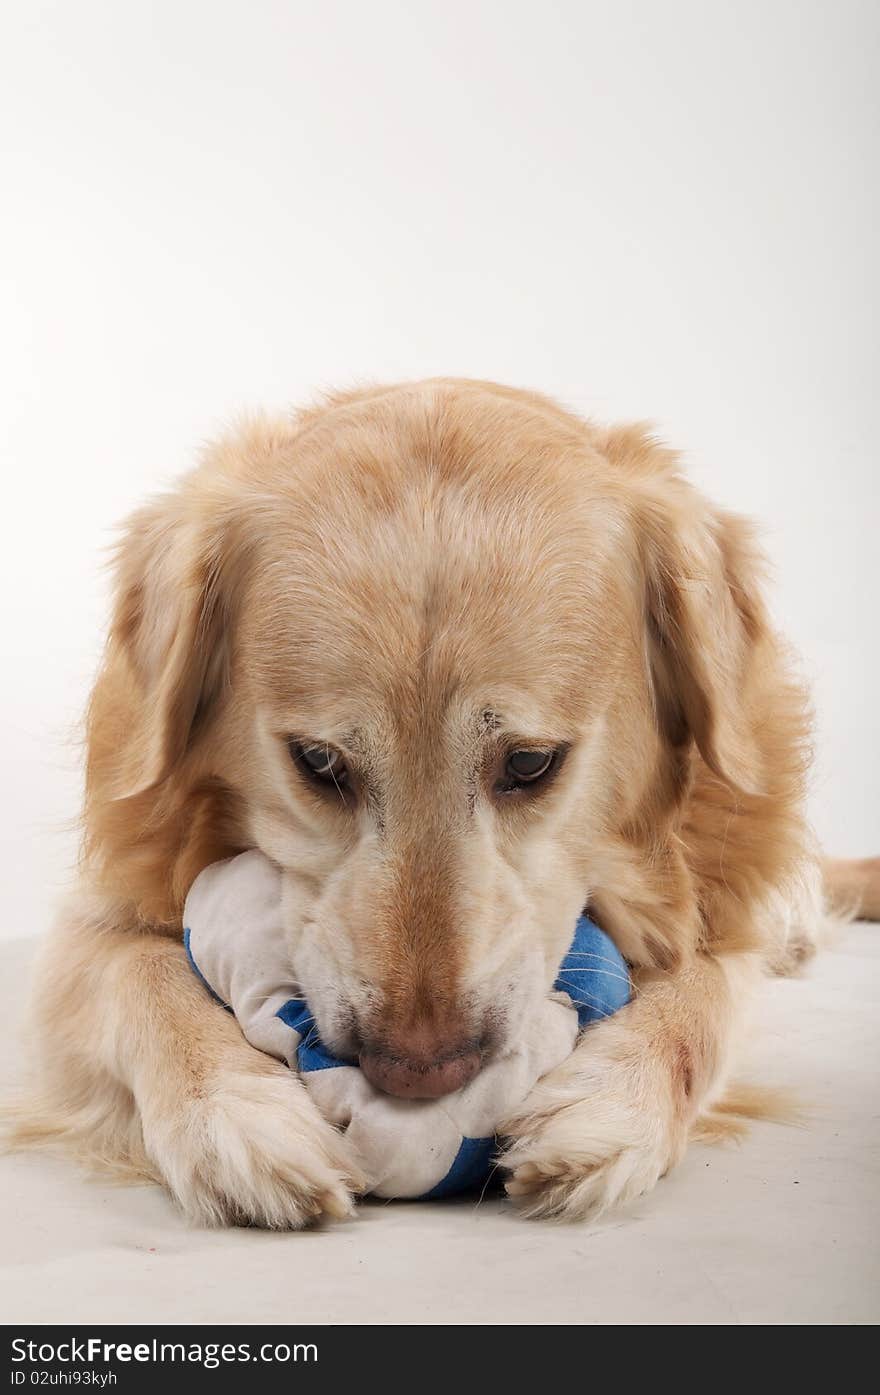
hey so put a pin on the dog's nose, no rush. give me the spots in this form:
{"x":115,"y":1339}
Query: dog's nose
{"x":419,"y":1068}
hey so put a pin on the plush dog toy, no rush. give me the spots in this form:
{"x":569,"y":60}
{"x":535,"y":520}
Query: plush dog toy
{"x":429,"y":1148}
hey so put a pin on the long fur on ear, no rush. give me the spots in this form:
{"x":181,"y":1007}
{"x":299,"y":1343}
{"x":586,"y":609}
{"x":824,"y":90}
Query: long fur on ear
{"x":170,"y":629}
{"x":155,"y":811}
{"x":157,"y":806}
{"x":703,"y":618}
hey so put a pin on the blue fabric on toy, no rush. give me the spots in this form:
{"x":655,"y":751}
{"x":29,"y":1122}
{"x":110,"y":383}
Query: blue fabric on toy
{"x":594,"y":974}
{"x":236,"y":943}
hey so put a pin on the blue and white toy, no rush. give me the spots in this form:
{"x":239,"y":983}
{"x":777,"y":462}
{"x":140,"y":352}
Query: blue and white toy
{"x":235,"y":942}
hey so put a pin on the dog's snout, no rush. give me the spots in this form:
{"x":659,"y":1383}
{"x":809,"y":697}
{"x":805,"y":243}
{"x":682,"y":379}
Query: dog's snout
{"x":419,"y":1065}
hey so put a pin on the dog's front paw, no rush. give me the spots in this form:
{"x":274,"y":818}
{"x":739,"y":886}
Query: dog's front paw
{"x":251,"y":1148}
{"x":590,"y":1138}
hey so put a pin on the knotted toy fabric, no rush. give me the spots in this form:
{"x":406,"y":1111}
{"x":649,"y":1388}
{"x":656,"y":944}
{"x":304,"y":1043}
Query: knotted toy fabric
{"x":235,"y":942}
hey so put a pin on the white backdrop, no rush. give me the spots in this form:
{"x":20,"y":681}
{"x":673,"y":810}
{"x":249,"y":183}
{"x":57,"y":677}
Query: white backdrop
{"x":651,"y":210}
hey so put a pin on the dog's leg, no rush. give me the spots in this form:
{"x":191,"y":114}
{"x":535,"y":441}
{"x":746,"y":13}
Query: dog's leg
{"x":137,"y":1067}
{"x":613,"y":1118}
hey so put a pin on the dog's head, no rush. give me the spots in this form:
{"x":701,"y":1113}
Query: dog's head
{"x":452,"y":650}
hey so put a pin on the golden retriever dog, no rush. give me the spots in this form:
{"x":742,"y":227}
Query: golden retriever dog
{"x":461,"y":664}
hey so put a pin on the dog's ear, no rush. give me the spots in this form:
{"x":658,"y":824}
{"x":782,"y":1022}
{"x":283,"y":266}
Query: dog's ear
{"x":704,"y":621}
{"x":170,"y":629}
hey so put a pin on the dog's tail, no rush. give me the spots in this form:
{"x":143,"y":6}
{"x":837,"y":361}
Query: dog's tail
{"x":852,"y":887}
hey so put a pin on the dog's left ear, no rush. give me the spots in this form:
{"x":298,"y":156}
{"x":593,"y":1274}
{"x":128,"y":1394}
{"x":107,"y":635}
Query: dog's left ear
{"x":171,"y":629}
{"x":704,"y":621}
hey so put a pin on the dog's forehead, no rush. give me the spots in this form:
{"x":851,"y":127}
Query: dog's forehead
{"x":397,"y":587}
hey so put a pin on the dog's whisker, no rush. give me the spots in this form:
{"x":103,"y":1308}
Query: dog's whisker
{"x":589,"y":954}
{"x":592,"y":969}
{"x":600,"y":973}
{"x":495,"y":1167}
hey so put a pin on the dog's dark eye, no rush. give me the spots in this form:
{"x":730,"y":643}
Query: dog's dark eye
{"x":320,"y":762}
{"x":525,"y":767}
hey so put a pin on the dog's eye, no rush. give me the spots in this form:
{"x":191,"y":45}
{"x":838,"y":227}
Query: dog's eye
{"x":525,"y":767}
{"x":320,"y":762}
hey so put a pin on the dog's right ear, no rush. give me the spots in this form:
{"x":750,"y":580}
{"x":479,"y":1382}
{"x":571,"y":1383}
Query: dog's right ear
{"x":704,"y":622}
{"x":170,"y":634}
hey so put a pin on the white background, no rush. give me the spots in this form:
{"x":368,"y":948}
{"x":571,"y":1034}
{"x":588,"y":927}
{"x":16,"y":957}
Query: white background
{"x":659,"y":210}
